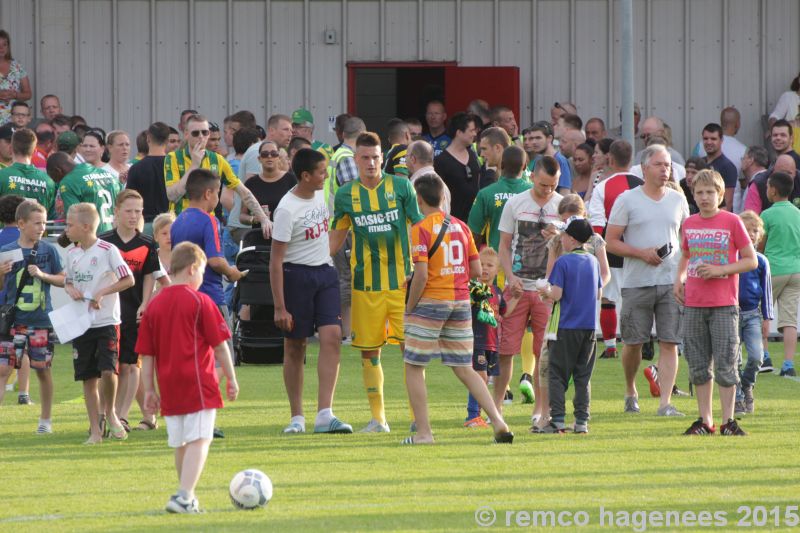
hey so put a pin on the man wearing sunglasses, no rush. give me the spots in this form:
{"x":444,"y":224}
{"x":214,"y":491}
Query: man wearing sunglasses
{"x":192,"y":155}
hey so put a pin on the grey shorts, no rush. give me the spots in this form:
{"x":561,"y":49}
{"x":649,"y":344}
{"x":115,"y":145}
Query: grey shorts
{"x":342,"y":263}
{"x":640,"y":305}
{"x":711,"y":344}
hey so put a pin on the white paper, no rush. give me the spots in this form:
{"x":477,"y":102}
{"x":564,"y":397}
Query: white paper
{"x":71,"y":320}
{"x":14,"y":256}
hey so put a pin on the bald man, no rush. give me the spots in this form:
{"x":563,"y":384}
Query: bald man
{"x":732,"y":148}
{"x":656,"y":126}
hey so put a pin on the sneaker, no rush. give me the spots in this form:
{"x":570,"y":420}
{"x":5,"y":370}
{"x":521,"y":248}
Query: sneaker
{"x":550,"y":429}
{"x":609,"y":353}
{"x":678,"y":392}
{"x":739,"y":408}
{"x":631,"y":404}
{"x":25,"y":399}
{"x":766,"y":366}
{"x":732,"y":429}
{"x":10,"y":387}
{"x":44,"y":429}
{"x":526,"y":388}
{"x":334,"y":426}
{"x":347,"y":341}
{"x":788,"y":372}
{"x":176,"y":504}
{"x":580,"y":428}
{"x":509,"y":397}
{"x":648,"y":351}
{"x":749,"y":402}
{"x":476,"y":422}
{"x":218,"y":434}
{"x":375,"y":427}
{"x":668,"y":410}
{"x":296,"y":427}
{"x":699,"y":427}
{"x":651,"y":373}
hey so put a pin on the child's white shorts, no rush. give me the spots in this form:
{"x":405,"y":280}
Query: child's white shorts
{"x":183,"y":429}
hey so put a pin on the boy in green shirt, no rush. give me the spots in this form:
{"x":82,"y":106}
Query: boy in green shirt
{"x":782,"y":248}
{"x":22,"y":178}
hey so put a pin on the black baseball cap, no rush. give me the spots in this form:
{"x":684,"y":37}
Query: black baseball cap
{"x":6,"y":131}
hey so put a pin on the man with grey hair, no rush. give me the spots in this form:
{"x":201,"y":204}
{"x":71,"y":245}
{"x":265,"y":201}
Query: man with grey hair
{"x":595,"y":129}
{"x":754,"y":164}
{"x":419,"y":160}
{"x":480,"y":108}
{"x":644,"y":228}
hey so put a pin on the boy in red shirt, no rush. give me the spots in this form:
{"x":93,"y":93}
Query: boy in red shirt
{"x":716,"y":248}
{"x":181,"y":334}
{"x":438,"y":319}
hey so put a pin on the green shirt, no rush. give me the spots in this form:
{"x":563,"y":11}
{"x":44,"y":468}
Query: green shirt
{"x":87,"y":183}
{"x":484,"y":217}
{"x":379,"y":219}
{"x":29,"y":182}
{"x":782,"y":229}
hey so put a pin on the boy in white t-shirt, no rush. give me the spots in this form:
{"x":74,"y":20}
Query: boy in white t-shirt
{"x":305,"y":289}
{"x":96,"y":272}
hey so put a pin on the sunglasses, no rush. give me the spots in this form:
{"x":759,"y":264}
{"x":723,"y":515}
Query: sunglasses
{"x":272,"y":153}
{"x":198,"y":133}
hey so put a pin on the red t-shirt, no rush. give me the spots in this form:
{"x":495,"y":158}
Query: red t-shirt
{"x":713,"y":241}
{"x":180,"y":329}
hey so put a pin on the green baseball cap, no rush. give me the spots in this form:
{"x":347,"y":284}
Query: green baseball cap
{"x":67,"y":141}
{"x":302,"y":117}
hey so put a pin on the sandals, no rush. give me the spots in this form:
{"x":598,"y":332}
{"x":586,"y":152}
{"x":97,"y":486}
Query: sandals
{"x":125,"y":425}
{"x":117,"y":433}
{"x":146,"y":425}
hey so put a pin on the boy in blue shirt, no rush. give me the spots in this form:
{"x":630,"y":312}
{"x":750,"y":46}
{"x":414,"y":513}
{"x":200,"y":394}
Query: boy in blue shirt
{"x":10,"y":233}
{"x":576,"y":285}
{"x":32,"y":332}
{"x":755,"y":290}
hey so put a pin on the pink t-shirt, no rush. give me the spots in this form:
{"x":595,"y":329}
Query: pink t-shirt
{"x":716,"y":241}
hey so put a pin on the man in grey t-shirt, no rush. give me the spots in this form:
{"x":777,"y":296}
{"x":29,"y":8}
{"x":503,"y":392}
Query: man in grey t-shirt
{"x":644,"y":227}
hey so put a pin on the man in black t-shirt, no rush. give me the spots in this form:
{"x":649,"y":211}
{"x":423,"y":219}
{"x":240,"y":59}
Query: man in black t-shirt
{"x":458,"y":165}
{"x":712,"y":144}
{"x":147,"y":176}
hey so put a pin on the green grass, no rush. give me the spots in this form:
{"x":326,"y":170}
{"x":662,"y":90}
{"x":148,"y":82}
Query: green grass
{"x":369,"y":482}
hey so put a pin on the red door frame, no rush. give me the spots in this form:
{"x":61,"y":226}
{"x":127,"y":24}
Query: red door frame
{"x":353,"y":65}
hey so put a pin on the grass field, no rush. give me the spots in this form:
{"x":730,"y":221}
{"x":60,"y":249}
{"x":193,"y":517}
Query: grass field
{"x":627,"y":463}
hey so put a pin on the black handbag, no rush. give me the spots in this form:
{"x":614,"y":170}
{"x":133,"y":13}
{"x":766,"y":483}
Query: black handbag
{"x":432,"y":249}
{"x":8,"y":312}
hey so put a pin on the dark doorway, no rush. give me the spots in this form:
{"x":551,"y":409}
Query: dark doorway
{"x":378,"y":92}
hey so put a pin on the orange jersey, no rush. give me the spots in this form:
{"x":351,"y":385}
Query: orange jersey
{"x":448,"y":269}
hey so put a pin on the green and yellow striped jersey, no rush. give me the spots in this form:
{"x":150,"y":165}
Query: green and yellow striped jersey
{"x":324,"y":148}
{"x":379,"y":219}
{"x":176,"y":163}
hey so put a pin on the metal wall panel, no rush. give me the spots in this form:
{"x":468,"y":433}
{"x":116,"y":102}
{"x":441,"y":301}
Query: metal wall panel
{"x":134,"y":61}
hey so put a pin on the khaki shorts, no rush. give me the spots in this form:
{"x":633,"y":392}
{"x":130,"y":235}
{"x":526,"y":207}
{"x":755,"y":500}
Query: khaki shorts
{"x":786,"y":292}
{"x":640,"y":305}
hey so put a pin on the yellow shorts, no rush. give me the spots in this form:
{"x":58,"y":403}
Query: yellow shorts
{"x":377,"y":316}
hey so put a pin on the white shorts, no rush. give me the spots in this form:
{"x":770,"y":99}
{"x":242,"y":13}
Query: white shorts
{"x":611,"y":291}
{"x":183,"y":429}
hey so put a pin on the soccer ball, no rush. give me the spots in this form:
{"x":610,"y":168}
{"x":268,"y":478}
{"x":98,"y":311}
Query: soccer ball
{"x":250,"y":489}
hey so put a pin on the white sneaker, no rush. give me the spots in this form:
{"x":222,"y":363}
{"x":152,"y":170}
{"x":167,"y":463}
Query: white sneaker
{"x":375,"y":427}
{"x":44,"y":429}
{"x":294,"y":427}
{"x":176,"y":504}
{"x":10,"y":387}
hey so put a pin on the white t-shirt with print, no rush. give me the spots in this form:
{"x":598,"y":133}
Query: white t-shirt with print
{"x":524,"y":219}
{"x":303,"y":225}
{"x":96,"y":268}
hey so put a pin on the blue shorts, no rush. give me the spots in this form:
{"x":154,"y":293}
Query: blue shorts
{"x":312,"y":298}
{"x":484,"y":361}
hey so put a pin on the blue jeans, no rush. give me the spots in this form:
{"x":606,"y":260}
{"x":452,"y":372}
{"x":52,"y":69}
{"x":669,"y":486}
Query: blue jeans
{"x":230,"y":249}
{"x":750,"y":333}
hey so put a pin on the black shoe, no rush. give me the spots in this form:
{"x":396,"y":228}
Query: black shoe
{"x":766,"y":366}
{"x":732,"y":429}
{"x":609,"y":353}
{"x":790,"y":372}
{"x":218,"y":434}
{"x":648,"y":351}
{"x":509,"y":397}
{"x":699,"y":427}
{"x":25,"y":399}
{"x":504,"y":438}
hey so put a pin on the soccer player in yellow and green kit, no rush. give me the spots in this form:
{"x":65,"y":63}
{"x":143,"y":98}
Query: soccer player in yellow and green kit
{"x":378,"y":208}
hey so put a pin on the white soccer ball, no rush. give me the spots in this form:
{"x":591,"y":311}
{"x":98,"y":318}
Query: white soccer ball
{"x":250,"y":489}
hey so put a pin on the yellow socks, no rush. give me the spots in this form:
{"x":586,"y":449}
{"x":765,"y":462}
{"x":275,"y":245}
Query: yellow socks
{"x":526,"y":353}
{"x":372,"y":371}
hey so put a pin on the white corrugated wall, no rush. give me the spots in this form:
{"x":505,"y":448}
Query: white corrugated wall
{"x":123,"y":63}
